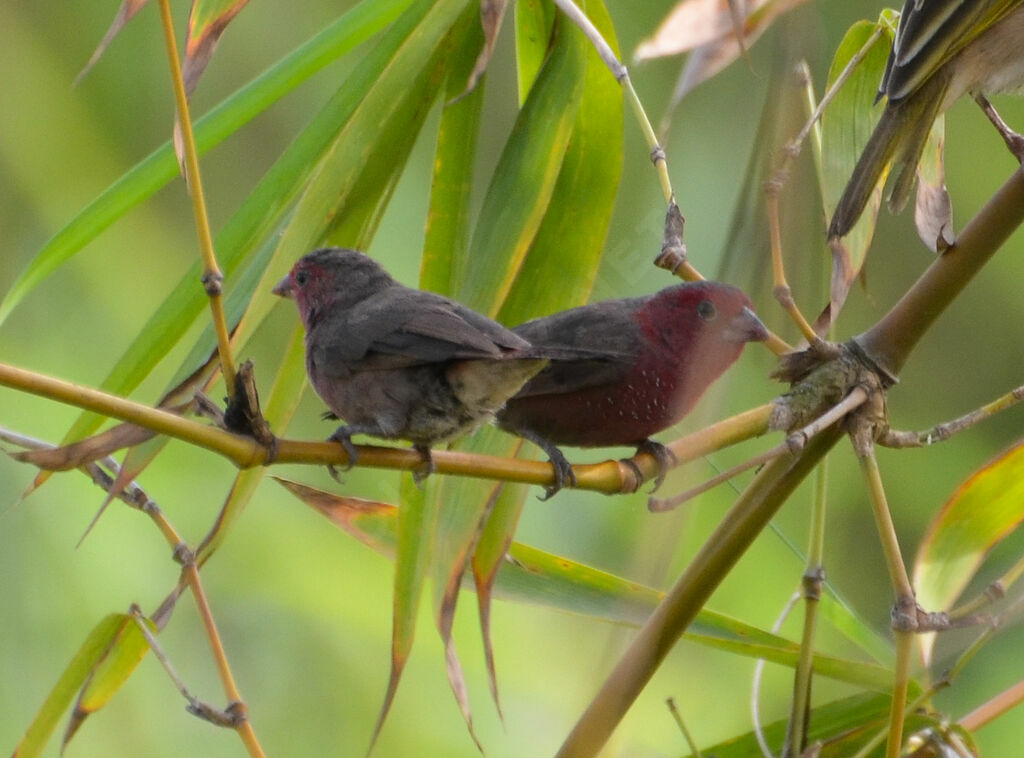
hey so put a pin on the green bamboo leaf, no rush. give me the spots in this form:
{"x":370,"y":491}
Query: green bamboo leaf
{"x":534,"y":21}
{"x":412,"y":537}
{"x":359,"y":213}
{"x":403,"y":80}
{"x":525,"y":177}
{"x":160,"y":167}
{"x":561,"y":263}
{"x":842,"y":726}
{"x":257,"y":217}
{"x":846,"y":126}
{"x":118,"y":663}
{"x":570,"y":239}
{"x":278,"y":408}
{"x":451,"y":186}
{"x":455,"y":540}
{"x":74,"y":676}
{"x":529,"y":575}
{"x":983,"y":511}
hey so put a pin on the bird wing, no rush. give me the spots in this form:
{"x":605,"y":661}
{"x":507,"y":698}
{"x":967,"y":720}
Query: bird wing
{"x":930,"y":32}
{"x":402,"y":327}
{"x":604,"y":335}
{"x":571,"y":375}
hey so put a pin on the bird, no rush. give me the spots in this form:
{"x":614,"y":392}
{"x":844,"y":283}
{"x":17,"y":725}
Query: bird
{"x":942,"y":50}
{"x":653,"y":357}
{"x":400,"y":363}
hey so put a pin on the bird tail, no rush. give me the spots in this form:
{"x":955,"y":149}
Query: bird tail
{"x":899,"y":138}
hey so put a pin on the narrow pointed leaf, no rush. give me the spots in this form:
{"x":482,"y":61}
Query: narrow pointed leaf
{"x":843,"y":726}
{"x":206,"y":23}
{"x":534,"y":21}
{"x":492,"y":12}
{"x":74,"y":676}
{"x":986,"y":508}
{"x":278,"y":409}
{"x":570,"y":239}
{"x":488,"y":558}
{"x":846,"y":125}
{"x":525,"y":177}
{"x":561,"y":263}
{"x":458,"y":532}
{"x":125,"y":13}
{"x":400,"y":72}
{"x":160,"y":167}
{"x":529,"y":575}
{"x":119,"y":662}
{"x":451,"y":186}
{"x":413,"y":540}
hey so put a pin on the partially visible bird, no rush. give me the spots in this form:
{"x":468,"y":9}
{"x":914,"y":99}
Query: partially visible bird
{"x":943,"y":49}
{"x":396,"y":362}
{"x":654,"y":356}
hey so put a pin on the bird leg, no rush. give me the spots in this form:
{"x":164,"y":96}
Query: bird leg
{"x":427,"y":467}
{"x":1014,"y":142}
{"x":664,"y":457}
{"x":343,"y":436}
{"x":564,"y":475}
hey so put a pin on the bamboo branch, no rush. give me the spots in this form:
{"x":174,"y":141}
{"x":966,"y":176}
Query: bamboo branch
{"x":721,"y":550}
{"x":890,"y":341}
{"x":245,"y":452}
{"x":212,"y":278}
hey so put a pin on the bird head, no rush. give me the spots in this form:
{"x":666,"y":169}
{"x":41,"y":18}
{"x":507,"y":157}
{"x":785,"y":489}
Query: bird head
{"x":331,"y":277}
{"x":706,"y":322}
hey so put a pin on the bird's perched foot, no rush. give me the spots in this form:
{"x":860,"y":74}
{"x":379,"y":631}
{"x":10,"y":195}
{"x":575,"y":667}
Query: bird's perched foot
{"x":426,"y":468}
{"x":664,"y":457}
{"x":343,"y":436}
{"x":564,"y":475}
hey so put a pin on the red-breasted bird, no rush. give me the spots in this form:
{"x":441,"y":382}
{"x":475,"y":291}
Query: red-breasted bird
{"x":654,"y":356}
{"x":396,"y":362}
{"x":943,"y":49}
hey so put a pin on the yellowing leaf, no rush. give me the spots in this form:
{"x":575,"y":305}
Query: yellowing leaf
{"x":983,"y":511}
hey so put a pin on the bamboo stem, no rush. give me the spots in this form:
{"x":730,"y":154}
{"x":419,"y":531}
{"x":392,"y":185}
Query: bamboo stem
{"x":212,"y":277}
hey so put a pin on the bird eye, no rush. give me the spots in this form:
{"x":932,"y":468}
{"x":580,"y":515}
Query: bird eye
{"x":706,"y":310}
{"x":301,"y":277}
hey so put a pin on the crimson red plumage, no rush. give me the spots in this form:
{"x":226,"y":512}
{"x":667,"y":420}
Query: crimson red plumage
{"x":655,"y":357}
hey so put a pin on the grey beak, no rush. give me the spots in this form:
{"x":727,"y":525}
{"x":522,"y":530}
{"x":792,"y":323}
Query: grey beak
{"x":747,"y":327}
{"x":284,"y":287}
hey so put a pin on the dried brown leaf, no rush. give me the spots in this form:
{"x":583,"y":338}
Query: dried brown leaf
{"x":86,"y":451}
{"x":492,"y":13}
{"x":933,"y":209}
{"x":124,"y":14}
{"x":206,"y":23}
{"x":717,"y":31}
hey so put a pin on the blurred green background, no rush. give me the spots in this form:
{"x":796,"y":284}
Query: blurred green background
{"x":304,"y":610}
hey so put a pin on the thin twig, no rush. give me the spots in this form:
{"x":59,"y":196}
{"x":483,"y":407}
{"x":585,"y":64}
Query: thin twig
{"x":942,"y":432}
{"x":905,"y":610}
{"x":236,"y":706}
{"x":674,"y":710}
{"x":794,"y":442}
{"x":195,"y":706}
{"x":995,"y":591}
{"x":812,"y":583}
{"x":212,"y":277}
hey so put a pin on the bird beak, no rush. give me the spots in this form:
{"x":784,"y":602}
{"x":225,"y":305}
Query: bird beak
{"x":746,"y":327}
{"x":284,"y":287}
